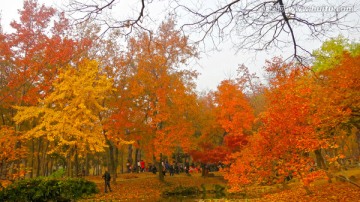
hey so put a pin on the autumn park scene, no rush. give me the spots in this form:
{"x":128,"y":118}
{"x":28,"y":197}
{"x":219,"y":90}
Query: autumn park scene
{"x":100,"y":101}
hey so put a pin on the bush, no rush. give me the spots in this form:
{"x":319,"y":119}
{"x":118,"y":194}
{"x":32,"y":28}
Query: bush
{"x":58,"y":174}
{"x":182,"y":191}
{"x":46,"y":189}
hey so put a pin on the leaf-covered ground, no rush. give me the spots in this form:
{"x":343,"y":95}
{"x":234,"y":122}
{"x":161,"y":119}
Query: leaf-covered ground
{"x":338,"y":191}
{"x":147,"y":187}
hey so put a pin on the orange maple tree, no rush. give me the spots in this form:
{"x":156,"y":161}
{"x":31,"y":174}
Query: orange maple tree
{"x":304,"y":116}
{"x":229,"y":121}
{"x":157,"y":98}
{"x":288,"y":134}
{"x":234,"y":114}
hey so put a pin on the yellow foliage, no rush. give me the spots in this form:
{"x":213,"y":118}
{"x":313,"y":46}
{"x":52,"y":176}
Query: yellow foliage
{"x":69,"y":116}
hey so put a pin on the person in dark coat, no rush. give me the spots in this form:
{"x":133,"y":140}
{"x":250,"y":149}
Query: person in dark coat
{"x":187,"y":167}
{"x":107,"y":179}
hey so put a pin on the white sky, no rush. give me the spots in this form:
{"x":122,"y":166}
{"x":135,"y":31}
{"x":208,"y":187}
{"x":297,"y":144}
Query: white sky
{"x":214,"y":66}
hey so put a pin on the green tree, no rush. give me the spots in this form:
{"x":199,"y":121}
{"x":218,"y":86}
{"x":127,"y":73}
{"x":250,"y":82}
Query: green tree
{"x":332,"y":52}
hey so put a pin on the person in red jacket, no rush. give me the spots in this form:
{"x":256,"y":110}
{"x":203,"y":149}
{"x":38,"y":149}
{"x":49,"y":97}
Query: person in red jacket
{"x":142,"y":165}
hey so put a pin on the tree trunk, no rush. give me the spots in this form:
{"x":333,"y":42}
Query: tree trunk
{"x":112,"y":167}
{"x":98,"y":165}
{"x":122,"y":159}
{"x":69,"y":166}
{"x":38,"y":158}
{"x":320,"y":161}
{"x":44,"y":159}
{"x":2,"y":164}
{"x":129,"y":158}
{"x":87,"y":165}
{"x":203,"y":171}
{"x":95,"y":166}
{"x":32,"y":158}
{"x":51,"y":166}
{"x":25,"y":162}
{"x":76,"y":162}
{"x":358,"y":141}
{"x":116,"y":160}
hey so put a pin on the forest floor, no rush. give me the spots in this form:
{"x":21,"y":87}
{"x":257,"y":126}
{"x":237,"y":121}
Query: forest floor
{"x":147,"y":187}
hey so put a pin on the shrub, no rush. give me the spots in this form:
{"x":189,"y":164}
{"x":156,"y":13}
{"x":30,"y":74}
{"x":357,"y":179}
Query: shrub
{"x":182,"y":191}
{"x":58,"y":174}
{"x":47,"y":189}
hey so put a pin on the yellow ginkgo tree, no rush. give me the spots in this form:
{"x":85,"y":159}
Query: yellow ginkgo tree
{"x":69,"y":116}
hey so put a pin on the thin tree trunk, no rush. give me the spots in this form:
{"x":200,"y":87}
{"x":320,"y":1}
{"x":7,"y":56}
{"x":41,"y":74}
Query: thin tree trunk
{"x":112,"y":167}
{"x":44,"y":159}
{"x":38,"y":158}
{"x":2,"y":164}
{"x":358,"y":141}
{"x":136,"y":159}
{"x":51,"y":166}
{"x":116,"y":163}
{"x":76,"y":162}
{"x":87,"y":165}
{"x":129,"y":158}
{"x":320,"y":161}
{"x":25,"y":161}
{"x":99,"y":171}
{"x":70,"y":165}
{"x":203,"y":171}
{"x":32,"y":158}
{"x":122,"y":159}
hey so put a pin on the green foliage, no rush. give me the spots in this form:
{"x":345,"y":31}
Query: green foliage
{"x":47,"y":189}
{"x":219,"y":191}
{"x":58,"y":174}
{"x":182,"y":191}
{"x":331,"y":53}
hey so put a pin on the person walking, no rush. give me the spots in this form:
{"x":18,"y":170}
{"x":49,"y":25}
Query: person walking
{"x":138,"y":167}
{"x":187,"y":167}
{"x":107,"y":179}
{"x":171,"y":169}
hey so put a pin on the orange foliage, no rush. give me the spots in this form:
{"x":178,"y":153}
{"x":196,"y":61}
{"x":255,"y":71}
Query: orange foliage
{"x":282,"y":146}
{"x":229,"y":119}
{"x":12,"y":149}
{"x":157,"y":98}
{"x":40,"y":44}
{"x":302,"y":116}
{"x":233,"y":110}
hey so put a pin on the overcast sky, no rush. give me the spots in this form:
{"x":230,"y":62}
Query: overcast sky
{"x":214,"y":66}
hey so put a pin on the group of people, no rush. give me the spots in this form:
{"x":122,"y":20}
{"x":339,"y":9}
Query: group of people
{"x":140,"y":167}
{"x":174,"y":168}
{"x":171,"y":168}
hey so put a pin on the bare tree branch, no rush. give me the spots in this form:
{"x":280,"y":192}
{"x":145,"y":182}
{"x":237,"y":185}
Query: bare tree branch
{"x":86,"y":12}
{"x":250,"y":24}
{"x":261,"y":25}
